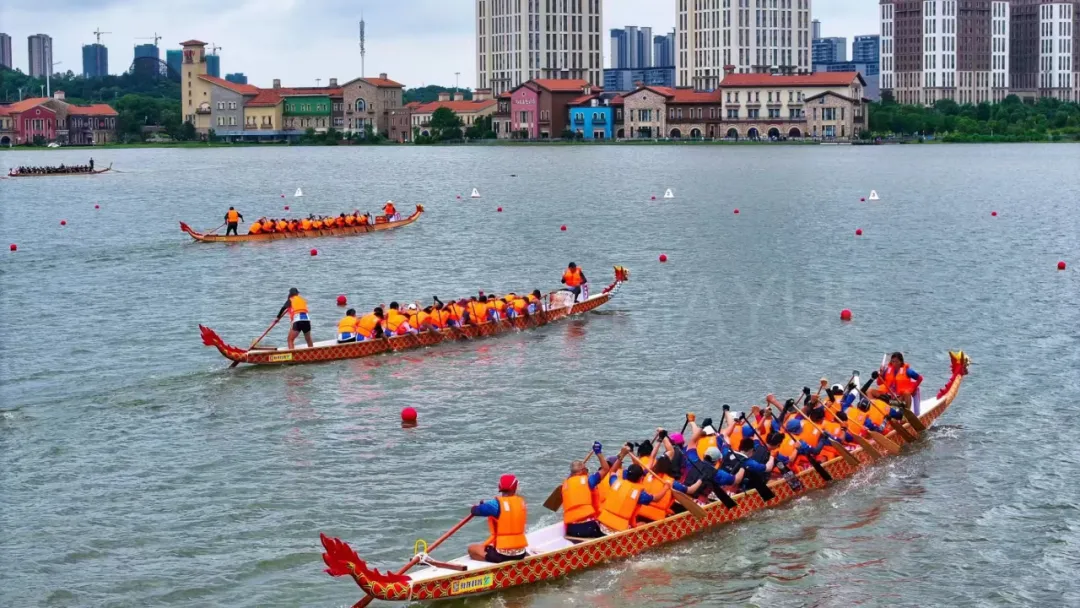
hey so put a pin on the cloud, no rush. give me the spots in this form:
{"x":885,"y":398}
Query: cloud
{"x":414,"y":41}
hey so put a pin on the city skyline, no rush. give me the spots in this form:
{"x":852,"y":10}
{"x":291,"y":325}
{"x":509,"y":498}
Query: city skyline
{"x":437,"y":40}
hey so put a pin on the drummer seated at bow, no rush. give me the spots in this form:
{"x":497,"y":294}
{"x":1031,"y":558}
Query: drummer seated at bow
{"x":507,"y":517}
{"x":896,"y":380}
{"x":347,"y":327}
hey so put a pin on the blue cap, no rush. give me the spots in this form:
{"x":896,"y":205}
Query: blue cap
{"x":747,"y":430}
{"x":793,"y":426}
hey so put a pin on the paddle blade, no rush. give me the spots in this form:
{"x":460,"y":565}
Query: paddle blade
{"x":554,"y":500}
{"x":844,"y":453}
{"x":884,"y":442}
{"x":867,"y":447}
{"x":762,"y":489}
{"x":690,"y":504}
{"x":725,"y":498}
{"x":903,"y":431}
{"x":820,"y":469}
{"x":791,"y":479}
{"x":913,"y":420}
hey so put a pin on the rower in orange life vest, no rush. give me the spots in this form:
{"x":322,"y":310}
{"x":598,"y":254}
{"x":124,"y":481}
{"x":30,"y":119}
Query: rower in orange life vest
{"x":371,"y":325}
{"x":397,"y":324}
{"x":346,"y":327}
{"x":389,"y":210}
{"x":574,"y":279}
{"x":507,"y":517}
{"x":232,"y":220}
{"x":297,"y":308}
{"x":619,"y":509}
{"x":580,"y":497}
{"x":898,"y":380}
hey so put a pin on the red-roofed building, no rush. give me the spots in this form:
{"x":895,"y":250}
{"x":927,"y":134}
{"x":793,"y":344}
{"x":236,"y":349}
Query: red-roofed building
{"x":759,"y":106}
{"x":368,"y":103}
{"x":664,"y":112}
{"x":538,"y":109}
{"x":469,"y":111}
{"x":52,"y":119}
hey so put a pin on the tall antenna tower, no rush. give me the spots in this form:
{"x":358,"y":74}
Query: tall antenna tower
{"x":363,"y":50}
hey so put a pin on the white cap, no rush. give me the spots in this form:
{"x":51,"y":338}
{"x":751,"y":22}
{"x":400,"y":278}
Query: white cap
{"x":411,"y":307}
{"x":713,"y":454}
{"x":708,"y":430}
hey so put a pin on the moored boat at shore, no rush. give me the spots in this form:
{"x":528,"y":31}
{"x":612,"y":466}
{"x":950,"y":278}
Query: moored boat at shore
{"x":330,"y":350}
{"x":303,"y":234}
{"x":551,"y":555}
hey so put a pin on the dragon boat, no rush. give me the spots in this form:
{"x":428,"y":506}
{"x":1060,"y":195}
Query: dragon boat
{"x":559,"y":305}
{"x":303,"y":234}
{"x":552,"y":555}
{"x":57,"y":172}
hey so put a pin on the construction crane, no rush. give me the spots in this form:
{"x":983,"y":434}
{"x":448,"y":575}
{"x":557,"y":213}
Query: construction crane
{"x":99,"y":33}
{"x":215,"y":48}
{"x":155,"y":38}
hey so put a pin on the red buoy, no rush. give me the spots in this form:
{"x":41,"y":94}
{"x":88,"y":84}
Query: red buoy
{"x":663,"y":257}
{"x":499,"y":210}
{"x":563,"y":227}
{"x":63,"y":222}
{"x":459,"y":197}
{"x":342,"y":300}
{"x":653,"y":197}
{"x":97,"y":206}
{"x":858,"y":232}
{"x":845,"y":315}
{"x":314,"y":252}
{"x":993,"y":214}
{"x":862,"y":199}
{"x":736,"y":212}
{"x":1061,"y":265}
{"x":286,"y":207}
{"x":408,"y":417}
{"x":282,"y":195}
{"x":14,"y":247}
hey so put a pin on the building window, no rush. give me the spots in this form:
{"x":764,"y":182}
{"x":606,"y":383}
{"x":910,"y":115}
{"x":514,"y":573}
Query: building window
{"x":732,"y":113}
{"x":828,"y":114}
{"x":753,"y":113}
{"x":361,"y":105}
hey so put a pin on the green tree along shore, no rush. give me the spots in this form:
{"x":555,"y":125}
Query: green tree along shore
{"x":1012,"y":120}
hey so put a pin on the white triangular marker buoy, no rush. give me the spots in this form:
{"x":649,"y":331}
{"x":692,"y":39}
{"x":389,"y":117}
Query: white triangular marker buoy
{"x":475,"y":193}
{"x":299,"y":192}
{"x":669,"y":194}
{"x":874,"y":196}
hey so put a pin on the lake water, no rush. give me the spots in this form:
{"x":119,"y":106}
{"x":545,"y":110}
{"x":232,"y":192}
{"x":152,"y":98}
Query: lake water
{"x":137,"y":470}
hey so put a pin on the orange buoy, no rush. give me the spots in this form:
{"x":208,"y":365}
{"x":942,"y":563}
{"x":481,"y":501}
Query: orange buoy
{"x":342,"y":300}
{"x":408,"y":417}
{"x":14,"y":247}
{"x":563,"y":227}
{"x":1061,"y":265}
{"x":858,"y":232}
{"x":314,"y":252}
{"x":663,"y":257}
{"x":63,"y":222}
{"x":993,"y":214}
{"x":845,"y":315}
{"x":499,"y":210}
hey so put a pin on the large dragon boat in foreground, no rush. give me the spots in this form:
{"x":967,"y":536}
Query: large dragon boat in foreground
{"x":559,"y":305}
{"x":551,"y":555}
{"x":378,"y":226}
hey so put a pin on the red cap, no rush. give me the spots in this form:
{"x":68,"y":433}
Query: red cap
{"x":508,"y":483}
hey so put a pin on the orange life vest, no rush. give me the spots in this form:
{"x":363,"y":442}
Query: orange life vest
{"x":267,"y":226}
{"x":833,"y":428}
{"x":736,"y":436}
{"x":572,"y":277}
{"x":621,"y":505}
{"x":305,"y":224}
{"x":788,"y":448}
{"x":292,"y":226}
{"x":350,"y":220}
{"x":232,"y":216}
{"x":340,"y":222}
{"x":898,"y":381}
{"x":508,"y":529}
{"x":809,"y":434}
{"x":389,"y":209}
{"x":877,"y":412}
{"x":579,"y":501}
{"x":478,"y":313}
{"x":856,"y":418}
{"x":658,"y":509}
{"x":317,"y":224}
{"x":255,"y":228}
{"x":394,"y":319}
{"x":418,"y":319}
{"x":297,"y":305}
{"x":367,"y":324}
{"x":347,"y":325}
{"x":500,"y":307}
{"x":454,"y":312}
{"x":281,"y":225}
{"x":703,"y":445}
{"x":521,"y":305}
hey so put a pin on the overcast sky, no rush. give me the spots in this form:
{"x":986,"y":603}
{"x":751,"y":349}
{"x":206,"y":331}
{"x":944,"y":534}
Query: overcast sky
{"x":415,"y":41}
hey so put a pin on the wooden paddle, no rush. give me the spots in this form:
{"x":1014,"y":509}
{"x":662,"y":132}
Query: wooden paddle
{"x":909,"y":415}
{"x":721,"y":495}
{"x":866,"y":446}
{"x":688,"y":503}
{"x":416,"y":558}
{"x":846,"y":455}
{"x":216,"y":229}
{"x":788,"y":476}
{"x":259,"y":339}
{"x":901,"y":430}
{"x":554,"y":500}
{"x":814,"y":463}
{"x":886,"y":443}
